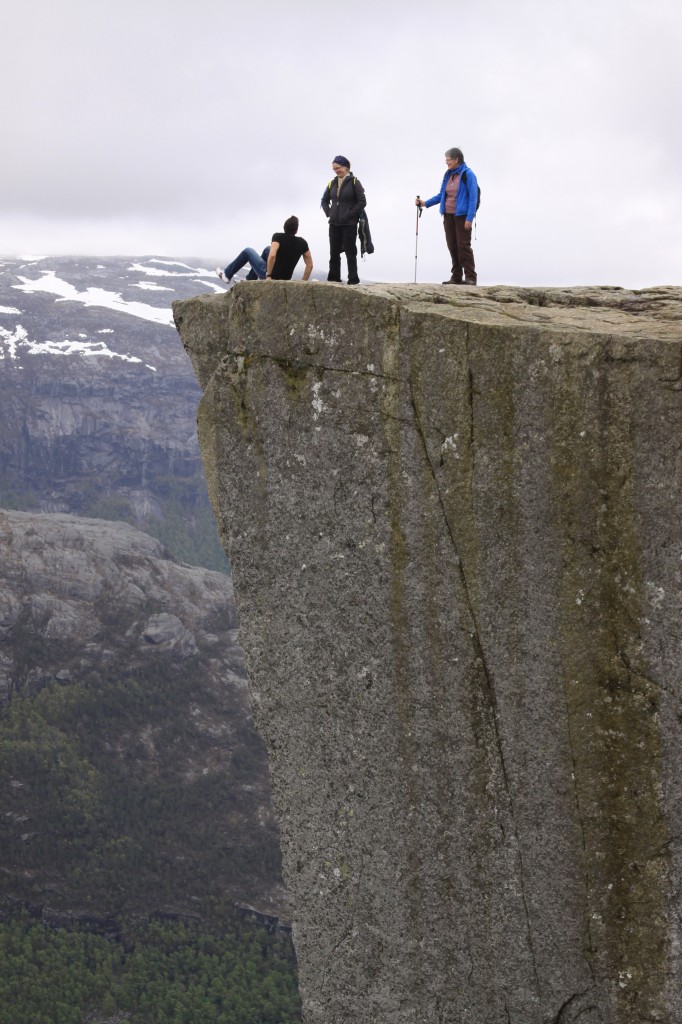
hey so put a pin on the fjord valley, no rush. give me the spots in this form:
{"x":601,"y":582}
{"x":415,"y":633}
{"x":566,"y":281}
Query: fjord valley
{"x":140,"y":874}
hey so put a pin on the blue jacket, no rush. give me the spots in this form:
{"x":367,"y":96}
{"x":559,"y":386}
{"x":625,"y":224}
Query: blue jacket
{"x":467,"y":193}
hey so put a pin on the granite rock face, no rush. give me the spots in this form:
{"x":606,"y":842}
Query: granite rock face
{"x":454,"y":522}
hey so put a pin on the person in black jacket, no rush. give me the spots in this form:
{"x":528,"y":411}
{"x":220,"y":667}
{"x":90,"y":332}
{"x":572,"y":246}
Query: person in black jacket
{"x":342,"y":203}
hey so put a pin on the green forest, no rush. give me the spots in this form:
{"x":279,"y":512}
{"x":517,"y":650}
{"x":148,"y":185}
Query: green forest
{"x":108,"y":814}
{"x":90,"y":815}
{"x":153,"y":974}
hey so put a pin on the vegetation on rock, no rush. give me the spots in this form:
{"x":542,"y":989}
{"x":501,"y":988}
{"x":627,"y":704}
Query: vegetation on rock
{"x":154,"y":974}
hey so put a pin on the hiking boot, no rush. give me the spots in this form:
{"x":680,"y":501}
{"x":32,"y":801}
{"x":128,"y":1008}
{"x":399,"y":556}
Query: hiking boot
{"x":452,"y":281}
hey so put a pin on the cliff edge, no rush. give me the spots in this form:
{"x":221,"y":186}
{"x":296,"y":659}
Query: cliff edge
{"x":454,"y":522}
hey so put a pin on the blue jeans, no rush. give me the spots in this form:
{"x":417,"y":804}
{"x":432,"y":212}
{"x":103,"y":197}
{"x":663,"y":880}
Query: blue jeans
{"x":258,"y":264}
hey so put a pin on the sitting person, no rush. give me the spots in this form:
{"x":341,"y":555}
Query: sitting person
{"x":277,"y":262}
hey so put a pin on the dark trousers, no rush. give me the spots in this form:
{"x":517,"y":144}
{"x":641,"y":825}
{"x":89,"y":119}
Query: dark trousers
{"x":459,"y":243}
{"x":343,"y":239}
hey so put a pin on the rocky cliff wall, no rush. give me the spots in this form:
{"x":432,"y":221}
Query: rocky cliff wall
{"x":454,"y":521}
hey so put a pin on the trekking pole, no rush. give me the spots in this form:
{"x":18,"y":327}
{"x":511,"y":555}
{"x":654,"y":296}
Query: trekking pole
{"x":416,"y":241}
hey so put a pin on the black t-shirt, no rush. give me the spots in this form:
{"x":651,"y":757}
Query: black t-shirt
{"x":291,"y":248}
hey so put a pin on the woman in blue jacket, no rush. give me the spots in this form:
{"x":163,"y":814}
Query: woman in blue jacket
{"x":458,"y":198}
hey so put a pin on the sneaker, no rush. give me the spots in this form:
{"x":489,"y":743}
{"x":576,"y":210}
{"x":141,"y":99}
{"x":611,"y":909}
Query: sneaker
{"x":221,"y":275}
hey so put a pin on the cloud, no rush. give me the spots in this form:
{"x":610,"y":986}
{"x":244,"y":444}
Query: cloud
{"x":159,"y":127}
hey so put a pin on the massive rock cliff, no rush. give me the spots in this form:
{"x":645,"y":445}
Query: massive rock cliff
{"x":454,"y":521}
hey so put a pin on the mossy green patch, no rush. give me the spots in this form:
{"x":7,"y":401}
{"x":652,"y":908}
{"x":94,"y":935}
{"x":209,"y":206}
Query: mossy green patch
{"x":296,"y":376}
{"x":612,"y":706}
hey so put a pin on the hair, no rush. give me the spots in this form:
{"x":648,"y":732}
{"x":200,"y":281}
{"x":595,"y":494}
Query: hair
{"x":291,"y":225}
{"x":455,"y":154}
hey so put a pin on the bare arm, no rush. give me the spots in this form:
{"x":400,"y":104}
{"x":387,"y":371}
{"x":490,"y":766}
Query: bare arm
{"x":274,"y":246}
{"x":308,"y":260}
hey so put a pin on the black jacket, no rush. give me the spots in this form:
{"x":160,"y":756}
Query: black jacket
{"x":366,"y":243}
{"x":343,"y":207}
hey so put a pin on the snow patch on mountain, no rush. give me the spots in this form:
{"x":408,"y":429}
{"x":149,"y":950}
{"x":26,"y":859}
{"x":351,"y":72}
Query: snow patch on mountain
{"x":12,"y":341}
{"x":174,"y":263}
{"x":214,"y":285}
{"x":66,"y":292}
{"x":196,"y":272}
{"x":17,"y":343}
{"x":71,"y":303}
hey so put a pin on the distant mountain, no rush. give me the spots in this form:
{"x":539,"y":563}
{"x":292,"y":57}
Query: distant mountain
{"x":99,"y":400}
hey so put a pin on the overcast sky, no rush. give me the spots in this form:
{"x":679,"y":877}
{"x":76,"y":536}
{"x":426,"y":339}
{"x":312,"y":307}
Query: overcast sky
{"x":178,"y":129}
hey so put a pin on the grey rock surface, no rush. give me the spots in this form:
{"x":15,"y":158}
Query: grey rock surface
{"x":454,"y":522}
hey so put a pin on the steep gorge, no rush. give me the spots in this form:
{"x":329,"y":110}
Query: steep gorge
{"x":453,"y":520}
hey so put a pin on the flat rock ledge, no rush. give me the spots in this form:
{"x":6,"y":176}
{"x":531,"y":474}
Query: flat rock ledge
{"x":453,"y":516}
